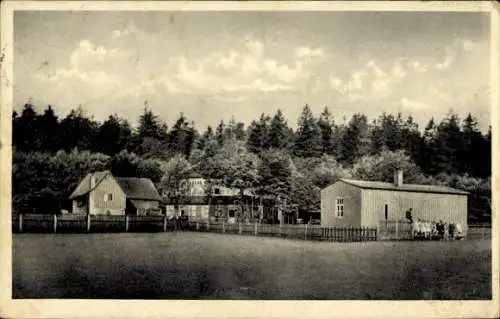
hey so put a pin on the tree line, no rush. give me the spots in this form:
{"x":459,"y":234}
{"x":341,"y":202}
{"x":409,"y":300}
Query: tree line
{"x":52,"y":154}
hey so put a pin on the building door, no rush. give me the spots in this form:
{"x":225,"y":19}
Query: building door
{"x":386,"y":208}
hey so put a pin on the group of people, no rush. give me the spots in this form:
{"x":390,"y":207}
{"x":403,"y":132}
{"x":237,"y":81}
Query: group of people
{"x":431,"y":230}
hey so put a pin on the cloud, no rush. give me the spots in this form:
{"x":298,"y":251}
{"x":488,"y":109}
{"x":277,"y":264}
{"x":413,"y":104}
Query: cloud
{"x":307,"y":52}
{"x":119,"y":33}
{"x":370,"y":81}
{"x":244,"y":69}
{"x":412,"y":105}
{"x":455,"y":50}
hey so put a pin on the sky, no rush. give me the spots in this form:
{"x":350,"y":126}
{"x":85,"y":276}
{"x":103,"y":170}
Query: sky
{"x":215,"y":65}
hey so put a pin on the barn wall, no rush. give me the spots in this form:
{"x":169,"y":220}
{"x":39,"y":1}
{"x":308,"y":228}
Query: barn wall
{"x":80,"y":209}
{"x":195,"y":212}
{"x":143,"y":205}
{"x":352,"y":205}
{"x":170,"y":211}
{"x":100,"y":207}
{"x":426,"y":206}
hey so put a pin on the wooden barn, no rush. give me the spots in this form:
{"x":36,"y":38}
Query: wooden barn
{"x":101,"y":193}
{"x":365,"y":203}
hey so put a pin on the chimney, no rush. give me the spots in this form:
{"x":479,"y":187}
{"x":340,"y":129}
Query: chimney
{"x":92,"y":180}
{"x":398,"y":177}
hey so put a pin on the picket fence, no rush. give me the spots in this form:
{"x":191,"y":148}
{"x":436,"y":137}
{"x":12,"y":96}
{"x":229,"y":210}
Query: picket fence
{"x":104,"y":223}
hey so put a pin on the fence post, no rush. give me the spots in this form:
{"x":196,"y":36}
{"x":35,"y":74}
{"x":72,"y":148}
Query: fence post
{"x":397,"y":233}
{"x":223,"y":227}
{"x":377,"y":235}
{"x":208,"y":224}
{"x":305,"y":235}
{"x":20,"y":222}
{"x":197,"y":225}
{"x":255,"y":228}
{"x":239,"y":228}
{"x":88,"y":223}
{"x":126,"y":223}
{"x":55,"y":223}
{"x":164,"y":223}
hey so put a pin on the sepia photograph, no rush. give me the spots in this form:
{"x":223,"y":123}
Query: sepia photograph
{"x":254,"y":152}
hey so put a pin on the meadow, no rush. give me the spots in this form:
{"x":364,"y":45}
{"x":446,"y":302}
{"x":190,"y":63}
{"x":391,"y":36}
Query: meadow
{"x":188,"y":265}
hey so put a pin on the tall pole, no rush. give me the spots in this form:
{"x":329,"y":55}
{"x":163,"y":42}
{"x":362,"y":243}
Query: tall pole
{"x":21,"y":222}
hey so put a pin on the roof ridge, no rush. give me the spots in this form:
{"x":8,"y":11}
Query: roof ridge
{"x":374,"y":184}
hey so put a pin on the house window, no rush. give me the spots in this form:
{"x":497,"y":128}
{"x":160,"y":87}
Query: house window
{"x":386,"y":211}
{"x":340,"y":207}
{"x":217,"y":191}
{"x":108,"y":197}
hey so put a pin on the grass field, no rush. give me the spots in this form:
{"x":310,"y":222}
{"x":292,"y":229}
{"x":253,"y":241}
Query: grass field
{"x":214,"y":266}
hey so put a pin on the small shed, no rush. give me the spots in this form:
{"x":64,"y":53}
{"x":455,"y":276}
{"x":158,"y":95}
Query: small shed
{"x":101,"y":193}
{"x":365,"y":203}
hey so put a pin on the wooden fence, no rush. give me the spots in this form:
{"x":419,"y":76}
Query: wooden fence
{"x":303,"y":232}
{"x":394,"y":230}
{"x":386,"y":230}
{"x":479,"y":232}
{"x":104,"y":223}
{"x":32,"y":223}
{"x":401,"y":230}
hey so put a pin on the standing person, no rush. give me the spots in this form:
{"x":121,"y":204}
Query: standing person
{"x":451,"y":231}
{"x":409,"y":215}
{"x":440,"y":229}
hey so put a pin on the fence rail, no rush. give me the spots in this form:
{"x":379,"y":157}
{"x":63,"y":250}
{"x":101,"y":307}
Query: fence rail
{"x":387,"y":230}
{"x":105,"y":223}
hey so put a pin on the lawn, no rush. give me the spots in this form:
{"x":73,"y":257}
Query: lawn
{"x":214,"y":266}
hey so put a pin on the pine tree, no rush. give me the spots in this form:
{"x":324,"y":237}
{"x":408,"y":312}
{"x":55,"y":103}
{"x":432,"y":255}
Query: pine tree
{"x":25,"y":129}
{"x":205,"y":138}
{"x":114,"y":135}
{"x":308,"y":136}
{"x":427,"y":158}
{"x":278,"y":131}
{"x":449,"y":144}
{"x":79,"y":131}
{"x":181,"y":137}
{"x":219,"y":133}
{"x":239,"y":131}
{"x":274,"y":174}
{"x":49,"y":130}
{"x":230,"y":130}
{"x":355,"y":140}
{"x":473,"y":147}
{"x":258,"y":134}
{"x":149,"y":125}
{"x":411,"y":139}
{"x":327,"y":127}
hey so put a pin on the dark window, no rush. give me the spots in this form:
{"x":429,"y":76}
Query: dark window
{"x":386,"y":211}
{"x":216,"y":191}
{"x":231,"y":213}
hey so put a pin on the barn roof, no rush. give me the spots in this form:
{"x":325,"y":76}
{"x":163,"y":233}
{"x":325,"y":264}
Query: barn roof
{"x":84,"y":187}
{"x":138,"y":188}
{"x":133,"y":187}
{"x":404,"y":187}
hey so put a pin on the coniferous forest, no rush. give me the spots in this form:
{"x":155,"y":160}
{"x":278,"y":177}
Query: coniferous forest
{"x":51,"y":154}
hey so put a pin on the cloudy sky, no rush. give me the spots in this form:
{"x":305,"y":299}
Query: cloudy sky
{"x":212,"y":65}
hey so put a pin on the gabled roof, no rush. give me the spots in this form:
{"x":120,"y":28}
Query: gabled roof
{"x":138,"y":188}
{"x":84,"y":187}
{"x":133,"y":187}
{"x":404,"y":188}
